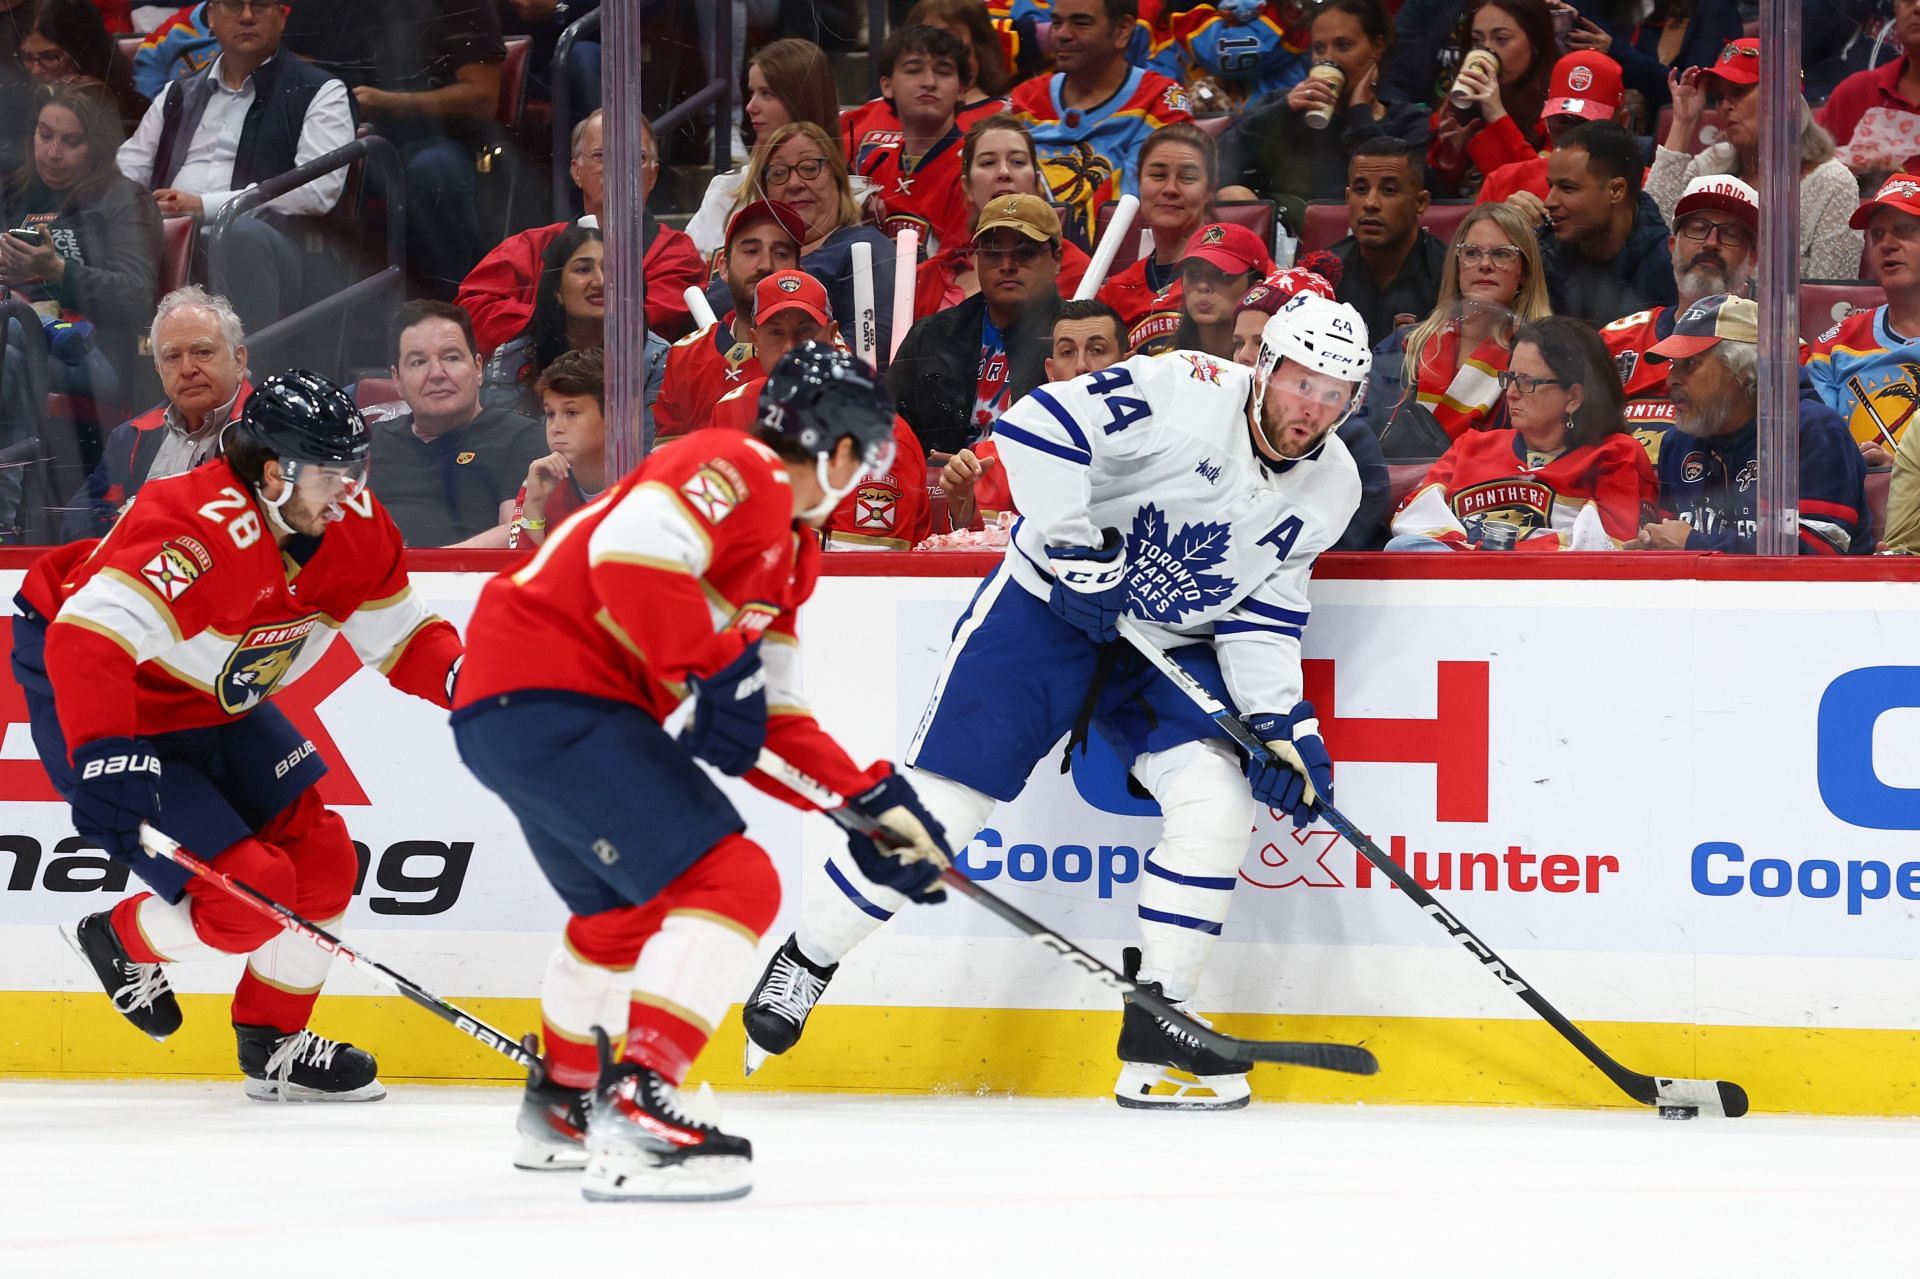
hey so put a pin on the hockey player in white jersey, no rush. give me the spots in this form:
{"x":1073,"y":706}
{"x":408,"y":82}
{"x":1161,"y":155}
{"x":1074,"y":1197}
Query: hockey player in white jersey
{"x":1192,"y":495}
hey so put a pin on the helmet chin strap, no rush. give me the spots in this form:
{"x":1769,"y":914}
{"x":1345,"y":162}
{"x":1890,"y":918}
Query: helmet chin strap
{"x":274,"y":505}
{"x":833,"y":496}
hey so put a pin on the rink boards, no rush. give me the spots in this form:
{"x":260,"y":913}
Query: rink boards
{"x":1680,"y":796}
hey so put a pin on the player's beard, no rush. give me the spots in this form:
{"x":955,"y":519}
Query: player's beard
{"x":1270,"y":444}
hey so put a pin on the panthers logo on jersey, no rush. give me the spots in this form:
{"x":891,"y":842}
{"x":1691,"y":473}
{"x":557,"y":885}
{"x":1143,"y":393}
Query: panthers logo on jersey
{"x":259,"y":663}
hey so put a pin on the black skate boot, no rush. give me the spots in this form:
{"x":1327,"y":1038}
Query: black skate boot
{"x":303,"y":1066}
{"x":552,"y":1121}
{"x":776,"y":1012}
{"x":644,"y":1142}
{"x":1152,"y":1049}
{"x":140,"y":992}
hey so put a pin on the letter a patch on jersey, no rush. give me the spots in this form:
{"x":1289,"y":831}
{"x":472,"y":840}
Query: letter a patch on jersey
{"x":710,"y":494}
{"x":175,"y":568}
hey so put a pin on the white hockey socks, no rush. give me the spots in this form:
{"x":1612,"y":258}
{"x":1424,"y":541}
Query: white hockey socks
{"x":577,"y":995}
{"x":1186,"y":887}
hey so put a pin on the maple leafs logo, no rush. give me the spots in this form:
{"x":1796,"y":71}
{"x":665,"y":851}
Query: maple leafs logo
{"x":1167,"y":576}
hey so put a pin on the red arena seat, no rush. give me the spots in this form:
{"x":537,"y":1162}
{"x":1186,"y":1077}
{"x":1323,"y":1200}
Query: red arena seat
{"x":1824,"y":303}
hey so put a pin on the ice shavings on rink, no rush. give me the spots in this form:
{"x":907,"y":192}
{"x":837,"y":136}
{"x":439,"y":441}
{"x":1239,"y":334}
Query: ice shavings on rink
{"x":157,"y":1180}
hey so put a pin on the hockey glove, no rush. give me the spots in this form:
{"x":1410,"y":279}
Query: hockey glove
{"x":1300,"y":778}
{"x":729,"y":724}
{"x":912,"y":870}
{"x":1090,"y":586}
{"x":116,"y":787}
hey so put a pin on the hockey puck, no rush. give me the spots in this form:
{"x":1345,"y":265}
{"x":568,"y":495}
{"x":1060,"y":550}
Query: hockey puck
{"x":1679,"y":1112}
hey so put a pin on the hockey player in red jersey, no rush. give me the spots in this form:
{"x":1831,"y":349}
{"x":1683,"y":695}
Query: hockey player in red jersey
{"x":684,"y":579}
{"x":148,"y":659}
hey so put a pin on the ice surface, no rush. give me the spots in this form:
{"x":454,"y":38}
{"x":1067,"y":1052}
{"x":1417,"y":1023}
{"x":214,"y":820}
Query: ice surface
{"x":147,"y":1180}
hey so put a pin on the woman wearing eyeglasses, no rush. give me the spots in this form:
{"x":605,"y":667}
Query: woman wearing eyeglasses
{"x":1829,"y":193}
{"x":1438,"y":380}
{"x":802,"y":167}
{"x":66,"y":39}
{"x":1566,"y":475}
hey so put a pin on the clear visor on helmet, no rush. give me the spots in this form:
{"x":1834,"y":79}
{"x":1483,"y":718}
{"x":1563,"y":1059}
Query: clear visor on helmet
{"x":326,"y":485}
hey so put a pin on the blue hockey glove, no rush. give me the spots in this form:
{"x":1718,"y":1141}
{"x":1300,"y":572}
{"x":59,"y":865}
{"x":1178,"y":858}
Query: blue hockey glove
{"x":117,"y":787}
{"x":1301,"y":778}
{"x":912,"y":870}
{"x":729,"y":723}
{"x":1090,"y":586}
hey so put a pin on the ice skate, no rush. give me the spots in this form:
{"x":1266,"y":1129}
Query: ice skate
{"x":303,"y":1066}
{"x":1164,"y":1068}
{"x":552,"y":1122}
{"x":644,"y":1143}
{"x":776,"y":1013}
{"x":140,"y":992}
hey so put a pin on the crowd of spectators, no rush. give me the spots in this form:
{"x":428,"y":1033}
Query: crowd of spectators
{"x":1545,"y":212}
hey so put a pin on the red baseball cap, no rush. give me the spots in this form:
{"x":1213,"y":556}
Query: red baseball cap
{"x":1724,"y":192}
{"x":1230,"y":247}
{"x":785,"y":215}
{"x":1738,"y":63}
{"x":1901,"y":191}
{"x":791,"y":291}
{"x":1586,"y":84}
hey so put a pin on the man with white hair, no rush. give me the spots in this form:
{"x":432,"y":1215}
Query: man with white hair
{"x":202,"y":362}
{"x":1716,"y":229}
{"x":1191,"y":497}
{"x":1709,"y":461}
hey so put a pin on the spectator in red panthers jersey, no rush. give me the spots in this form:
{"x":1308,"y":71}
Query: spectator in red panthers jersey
{"x":1086,"y":338}
{"x":1565,"y":476}
{"x":996,"y":159}
{"x":499,"y":293}
{"x":1179,"y":175}
{"x":762,"y":238}
{"x":958,"y":370}
{"x":1716,"y":227}
{"x":914,"y":160}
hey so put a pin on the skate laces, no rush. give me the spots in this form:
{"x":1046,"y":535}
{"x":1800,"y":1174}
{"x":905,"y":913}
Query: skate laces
{"x":300,"y":1048}
{"x":145,"y":983}
{"x":792,"y":989}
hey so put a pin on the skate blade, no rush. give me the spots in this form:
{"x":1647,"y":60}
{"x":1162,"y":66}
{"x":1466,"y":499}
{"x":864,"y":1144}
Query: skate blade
{"x":756,"y":1057}
{"x":632,"y":1179}
{"x":274,"y":1090}
{"x":542,"y":1156}
{"x":1148,"y":1087}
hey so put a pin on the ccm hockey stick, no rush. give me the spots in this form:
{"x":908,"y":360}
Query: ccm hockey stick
{"x":1676,"y":1098}
{"x":1346,"y":1058}
{"x":158,"y":844}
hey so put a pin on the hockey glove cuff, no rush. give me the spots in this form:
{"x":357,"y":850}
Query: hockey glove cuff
{"x":729,"y":724}
{"x":912,"y":867}
{"x":1090,"y":586}
{"x":116,"y":787}
{"x":1300,"y":776}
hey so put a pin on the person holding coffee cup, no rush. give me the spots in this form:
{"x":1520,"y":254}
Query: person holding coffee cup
{"x":1492,"y":113}
{"x":1297,"y":149}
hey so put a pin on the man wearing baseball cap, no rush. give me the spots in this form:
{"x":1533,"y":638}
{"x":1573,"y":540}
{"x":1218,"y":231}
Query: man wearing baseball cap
{"x":1221,"y":262}
{"x":1867,"y":367}
{"x":1709,"y":465}
{"x":1585,"y":86}
{"x":1716,"y":230}
{"x":885,"y":511}
{"x":957,"y":370}
{"x":763,"y":237}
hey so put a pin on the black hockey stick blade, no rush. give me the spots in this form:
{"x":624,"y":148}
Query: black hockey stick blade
{"x":159,"y":844}
{"x":1702,"y":1096}
{"x":1346,"y":1058}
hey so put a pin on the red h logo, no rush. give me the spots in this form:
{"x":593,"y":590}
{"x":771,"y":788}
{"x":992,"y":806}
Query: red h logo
{"x":1454,"y":741}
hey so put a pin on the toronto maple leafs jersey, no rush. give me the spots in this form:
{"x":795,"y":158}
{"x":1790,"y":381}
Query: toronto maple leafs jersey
{"x":1219,"y":544}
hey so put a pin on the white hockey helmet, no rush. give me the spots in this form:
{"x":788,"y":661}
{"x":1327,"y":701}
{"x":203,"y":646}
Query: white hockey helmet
{"x":1320,"y":334}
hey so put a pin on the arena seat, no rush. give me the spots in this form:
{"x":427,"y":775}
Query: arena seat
{"x":1703,"y":137}
{"x":1443,"y":218}
{"x":371,"y":391}
{"x":1402,"y":476}
{"x":176,"y":252}
{"x":1324,"y":225}
{"x":1213,"y":125}
{"x":1824,"y":303}
{"x":513,"y":82}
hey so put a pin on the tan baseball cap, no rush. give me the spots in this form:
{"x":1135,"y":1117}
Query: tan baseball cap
{"x":1028,"y":214}
{"x":1720,"y":318}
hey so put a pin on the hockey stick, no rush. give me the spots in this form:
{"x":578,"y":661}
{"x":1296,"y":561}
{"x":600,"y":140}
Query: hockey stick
{"x":1676,"y":1098}
{"x":158,"y":844}
{"x":1347,"y":1058}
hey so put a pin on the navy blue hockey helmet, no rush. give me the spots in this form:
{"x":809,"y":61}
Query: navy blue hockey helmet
{"x":300,"y":416}
{"x":818,"y":393}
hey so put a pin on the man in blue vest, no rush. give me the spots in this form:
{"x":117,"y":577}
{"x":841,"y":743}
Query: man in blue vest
{"x":248,"y":117}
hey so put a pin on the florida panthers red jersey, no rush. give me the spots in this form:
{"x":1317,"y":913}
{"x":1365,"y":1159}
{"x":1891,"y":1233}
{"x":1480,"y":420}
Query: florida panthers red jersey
{"x":862,"y":124}
{"x":1149,"y":317}
{"x":667,"y":576}
{"x":887,"y":511}
{"x":189,"y":613}
{"x":701,"y":368}
{"x":1491,"y":475}
{"x":927,"y":192}
{"x":1648,"y":411}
